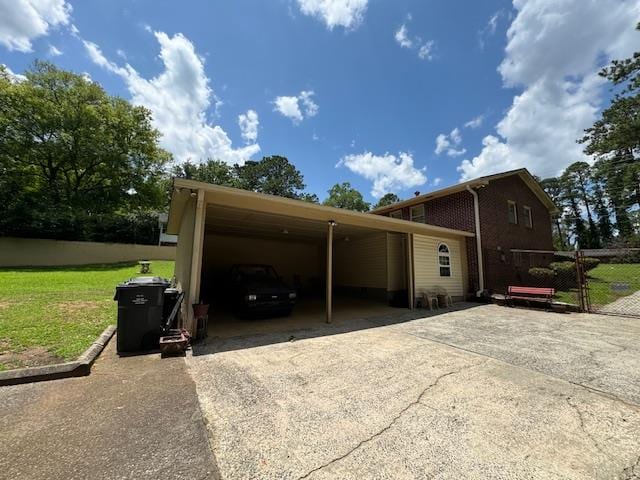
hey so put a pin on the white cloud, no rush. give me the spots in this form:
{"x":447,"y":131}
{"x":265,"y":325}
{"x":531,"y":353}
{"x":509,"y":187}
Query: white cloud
{"x":248,"y":123}
{"x":450,"y":143}
{"x":310,"y":107}
{"x":179,"y":98}
{"x":424,"y":52}
{"x":402,"y":38}
{"x":335,"y":13}
{"x":288,"y":106}
{"x":437,"y":181}
{"x":387,"y":172}
{"x":121,"y":53}
{"x":21,"y":21}
{"x":562,"y":92}
{"x":475,"y":122}
{"x":297,"y":108}
{"x":13,"y":77}
{"x":54,"y":52}
{"x":490,"y":28}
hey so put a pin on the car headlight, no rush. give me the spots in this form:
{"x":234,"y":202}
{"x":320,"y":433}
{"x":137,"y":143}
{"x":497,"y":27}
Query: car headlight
{"x":252,"y":297}
{"x":292,"y":295}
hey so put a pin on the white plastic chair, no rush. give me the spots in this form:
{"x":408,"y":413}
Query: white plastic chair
{"x":441,"y":292}
{"x":428,"y":297}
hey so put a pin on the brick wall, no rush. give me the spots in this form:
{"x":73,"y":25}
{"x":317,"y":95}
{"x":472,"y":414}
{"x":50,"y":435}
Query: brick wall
{"x":453,"y":211}
{"x":499,"y":236}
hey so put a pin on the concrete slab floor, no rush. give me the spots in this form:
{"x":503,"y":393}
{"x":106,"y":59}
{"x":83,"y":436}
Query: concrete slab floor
{"x":308,"y":313}
{"x":132,"y":418}
{"x":482,"y":392}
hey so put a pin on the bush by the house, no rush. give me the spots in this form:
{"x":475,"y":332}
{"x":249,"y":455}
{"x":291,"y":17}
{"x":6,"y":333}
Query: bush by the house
{"x":590,"y":263}
{"x":542,"y":276}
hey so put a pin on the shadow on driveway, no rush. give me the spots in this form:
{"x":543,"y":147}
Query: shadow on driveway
{"x":132,"y":418}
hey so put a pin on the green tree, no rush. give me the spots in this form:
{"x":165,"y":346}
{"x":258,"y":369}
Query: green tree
{"x":211,"y":171}
{"x":343,"y":195}
{"x":309,"y":197}
{"x":387,"y":199}
{"x":273,"y":175}
{"x":553,"y":187}
{"x":70,"y":152}
{"x":573,"y":218}
{"x":614,"y":140}
{"x":578,"y":177}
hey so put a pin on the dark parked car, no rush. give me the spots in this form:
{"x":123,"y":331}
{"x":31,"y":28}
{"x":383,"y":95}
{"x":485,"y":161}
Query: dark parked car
{"x":257,"y":290}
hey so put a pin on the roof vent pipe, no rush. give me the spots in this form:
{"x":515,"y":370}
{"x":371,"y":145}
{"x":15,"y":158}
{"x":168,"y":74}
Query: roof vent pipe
{"x":476,"y":212}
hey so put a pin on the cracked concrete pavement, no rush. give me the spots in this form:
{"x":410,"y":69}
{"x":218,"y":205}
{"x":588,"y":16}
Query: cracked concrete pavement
{"x":482,"y":392}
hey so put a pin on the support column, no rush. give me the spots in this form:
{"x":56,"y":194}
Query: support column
{"x":410,"y":283}
{"x":329,"y":286}
{"x":196,"y":259}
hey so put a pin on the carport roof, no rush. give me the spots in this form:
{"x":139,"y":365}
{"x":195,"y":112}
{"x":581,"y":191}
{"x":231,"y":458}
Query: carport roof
{"x":269,"y":204}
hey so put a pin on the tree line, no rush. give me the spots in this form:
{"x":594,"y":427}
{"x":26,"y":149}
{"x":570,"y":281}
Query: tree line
{"x":600,"y":202}
{"x":79,"y":164}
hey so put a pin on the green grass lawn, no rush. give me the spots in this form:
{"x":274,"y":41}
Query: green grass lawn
{"x":53,"y":314}
{"x":600,"y":280}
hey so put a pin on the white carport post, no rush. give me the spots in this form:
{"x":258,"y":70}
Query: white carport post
{"x":196,"y":259}
{"x":410,"y":282}
{"x":329,"y":286}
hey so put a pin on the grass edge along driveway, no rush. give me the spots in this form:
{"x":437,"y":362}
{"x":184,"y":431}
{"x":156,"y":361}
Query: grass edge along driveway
{"x":52,"y":314}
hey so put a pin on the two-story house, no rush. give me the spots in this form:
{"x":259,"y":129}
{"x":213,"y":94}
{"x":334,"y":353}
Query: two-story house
{"x":506,"y":211}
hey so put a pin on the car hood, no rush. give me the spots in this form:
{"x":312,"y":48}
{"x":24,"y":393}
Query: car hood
{"x":266,"y":285}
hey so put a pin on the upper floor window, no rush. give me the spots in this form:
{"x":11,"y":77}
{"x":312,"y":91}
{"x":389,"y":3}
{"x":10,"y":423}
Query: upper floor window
{"x":416,"y":214}
{"x":444,"y":260}
{"x":528,"y":217}
{"x":513,"y":212}
{"x":396,"y":214}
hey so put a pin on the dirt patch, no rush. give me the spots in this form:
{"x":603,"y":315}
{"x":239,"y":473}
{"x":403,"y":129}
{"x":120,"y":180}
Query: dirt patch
{"x":77,"y":306}
{"x":30,"y":357}
{"x":4,"y":305}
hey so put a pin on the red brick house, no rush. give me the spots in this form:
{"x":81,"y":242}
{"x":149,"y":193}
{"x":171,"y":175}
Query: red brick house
{"x":507,"y":211}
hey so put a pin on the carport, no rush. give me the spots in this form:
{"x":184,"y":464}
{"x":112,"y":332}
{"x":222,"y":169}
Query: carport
{"x":342,"y":263}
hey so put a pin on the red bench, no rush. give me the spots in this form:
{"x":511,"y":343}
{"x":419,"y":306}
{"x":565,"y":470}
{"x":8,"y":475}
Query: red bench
{"x":535,"y":294}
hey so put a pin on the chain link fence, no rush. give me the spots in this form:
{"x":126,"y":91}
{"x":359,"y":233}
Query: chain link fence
{"x":599,"y":281}
{"x":532,"y":268}
{"x":613,"y":285}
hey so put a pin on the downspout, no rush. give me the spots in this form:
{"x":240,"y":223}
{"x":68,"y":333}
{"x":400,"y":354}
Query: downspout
{"x":476,"y":212}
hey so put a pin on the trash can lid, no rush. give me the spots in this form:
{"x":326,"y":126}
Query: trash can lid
{"x":146,"y":282}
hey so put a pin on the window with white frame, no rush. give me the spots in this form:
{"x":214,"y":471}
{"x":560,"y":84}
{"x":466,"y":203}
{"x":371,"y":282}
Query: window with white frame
{"x":416,"y":214}
{"x":513,"y":212}
{"x":444,"y":260}
{"x":396,"y":214}
{"x":528,"y":217}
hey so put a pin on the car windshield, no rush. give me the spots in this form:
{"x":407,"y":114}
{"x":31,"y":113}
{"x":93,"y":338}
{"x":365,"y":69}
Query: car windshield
{"x":255,"y":272}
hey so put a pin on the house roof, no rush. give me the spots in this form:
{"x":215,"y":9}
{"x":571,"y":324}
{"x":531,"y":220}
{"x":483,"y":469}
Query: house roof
{"x":236,"y":199}
{"x":523,"y":173}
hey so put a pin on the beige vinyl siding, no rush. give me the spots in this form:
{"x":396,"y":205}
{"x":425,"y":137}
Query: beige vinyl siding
{"x":289,"y":258}
{"x":361,"y":262}
{"x":396,"y":262}
{"x":427,"y":270}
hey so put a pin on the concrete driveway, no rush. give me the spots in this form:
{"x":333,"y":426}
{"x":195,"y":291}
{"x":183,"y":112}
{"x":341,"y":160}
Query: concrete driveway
{"x":481,"y":392}
{"x":133,"y":418}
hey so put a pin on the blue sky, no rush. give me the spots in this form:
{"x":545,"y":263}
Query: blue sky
{"x":391,"y":96}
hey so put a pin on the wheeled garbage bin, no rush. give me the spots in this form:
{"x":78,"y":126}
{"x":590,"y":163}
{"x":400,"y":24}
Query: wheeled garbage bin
{"x":140,"y":314}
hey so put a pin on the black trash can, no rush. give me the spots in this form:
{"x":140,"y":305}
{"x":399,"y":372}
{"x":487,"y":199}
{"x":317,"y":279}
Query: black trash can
{"x":140,"y":313}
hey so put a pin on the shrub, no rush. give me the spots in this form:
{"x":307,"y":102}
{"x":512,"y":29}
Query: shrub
{"x":565,"y":274}
{"x":544,"y":276}
{"x":590,"y":263}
